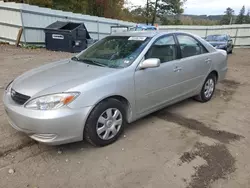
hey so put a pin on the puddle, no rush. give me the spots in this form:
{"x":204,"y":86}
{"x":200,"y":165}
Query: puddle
{"x":220,"y":163}
{"x":227,"y":89}
{"x":28,"y":143}
{"x":225,"y":94}
{"x":230,"y":83}
{"x":199,"y":127}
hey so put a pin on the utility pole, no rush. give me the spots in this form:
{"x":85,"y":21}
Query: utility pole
{"x":231,"y":20}
{"x":147,"y":13}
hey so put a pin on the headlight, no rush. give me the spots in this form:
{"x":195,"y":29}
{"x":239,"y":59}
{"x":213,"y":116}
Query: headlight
{"x":221,"y":46}
{"x":8,"y":87}
{"x":51,"y":102}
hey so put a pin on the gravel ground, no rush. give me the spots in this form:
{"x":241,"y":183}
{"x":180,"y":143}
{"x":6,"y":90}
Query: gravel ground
{"x":187,"y":145}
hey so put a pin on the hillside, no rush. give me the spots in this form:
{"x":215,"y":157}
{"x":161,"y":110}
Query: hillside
{"x":204,"y":17}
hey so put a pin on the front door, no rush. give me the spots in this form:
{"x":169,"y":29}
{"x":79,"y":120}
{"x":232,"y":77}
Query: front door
{"x":156,"y":86}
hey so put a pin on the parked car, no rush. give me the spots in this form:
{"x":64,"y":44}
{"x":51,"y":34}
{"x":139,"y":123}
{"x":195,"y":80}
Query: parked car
{"x":223,"y":42}
{"x":118,"y":29}
{"x":117,"y":80}
{"x":143,"y":27}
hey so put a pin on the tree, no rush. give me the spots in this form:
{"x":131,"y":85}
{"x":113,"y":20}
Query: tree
{"x":43,"y":3}
{"x":141,"y":14}
{"x":189,"y":20}
{"x":102,"y":8}
{"x":241,"y":17}
{"x":247,"y":19}
{"x":72,"y":5}
{"x":162,"y":8}
{"x":228,"y":17}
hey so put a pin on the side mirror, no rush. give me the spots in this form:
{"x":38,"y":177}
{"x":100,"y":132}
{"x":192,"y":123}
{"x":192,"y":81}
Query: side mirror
{"x":150,"y":63}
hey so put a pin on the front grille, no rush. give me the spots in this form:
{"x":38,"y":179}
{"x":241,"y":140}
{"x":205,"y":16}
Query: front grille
{"x":18,"y":97}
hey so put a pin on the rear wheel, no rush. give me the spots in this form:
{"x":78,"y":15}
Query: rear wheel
{"x":105,"y":123}
{"x":207,"y":90}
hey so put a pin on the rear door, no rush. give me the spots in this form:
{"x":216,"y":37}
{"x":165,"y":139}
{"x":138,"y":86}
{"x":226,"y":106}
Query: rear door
{"x":194,"y":63}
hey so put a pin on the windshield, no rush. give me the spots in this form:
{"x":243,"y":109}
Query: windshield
{"x":216,"y":38}
{"x":114,"y":51}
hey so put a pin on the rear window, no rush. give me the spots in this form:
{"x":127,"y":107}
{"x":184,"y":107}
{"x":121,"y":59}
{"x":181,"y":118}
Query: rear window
{"x":216,"y":38}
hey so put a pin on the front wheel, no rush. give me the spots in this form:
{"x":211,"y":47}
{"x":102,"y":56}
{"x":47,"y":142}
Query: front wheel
{"x":207,"y":90}
{"x":105,"y":123}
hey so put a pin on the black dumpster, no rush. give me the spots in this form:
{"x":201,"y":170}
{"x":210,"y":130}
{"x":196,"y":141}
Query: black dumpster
{"x":66,"y":36}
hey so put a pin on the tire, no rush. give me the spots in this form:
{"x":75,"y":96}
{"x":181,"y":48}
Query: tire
{"x":231,"y":51}
{"x":103,"y":118}
{"x":206,"y":95}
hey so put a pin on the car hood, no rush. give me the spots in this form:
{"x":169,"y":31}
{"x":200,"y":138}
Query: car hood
{"x":58,"y":77}
{"x":216,"y":43}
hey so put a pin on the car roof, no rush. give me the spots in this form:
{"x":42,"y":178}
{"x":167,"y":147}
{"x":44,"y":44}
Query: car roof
{"x":218,"y":35}
{"x":159,"y":33}
{"x":146,"y":33}
{"x":137,"y":33}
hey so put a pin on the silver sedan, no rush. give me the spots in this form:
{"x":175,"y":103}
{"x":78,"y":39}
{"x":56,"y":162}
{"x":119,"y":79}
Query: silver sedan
{"x":118,"y":80}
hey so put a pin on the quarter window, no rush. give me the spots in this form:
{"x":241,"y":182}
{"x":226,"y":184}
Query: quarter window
{"x":190,"y":46}
{"x":164,"y":49}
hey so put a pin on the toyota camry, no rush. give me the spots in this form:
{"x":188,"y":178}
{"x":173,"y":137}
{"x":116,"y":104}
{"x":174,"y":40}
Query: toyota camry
{"x":117,"y":80}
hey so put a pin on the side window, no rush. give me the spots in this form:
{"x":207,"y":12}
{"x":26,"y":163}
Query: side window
{"x":190,"y":46}
{"x":164,"y":49}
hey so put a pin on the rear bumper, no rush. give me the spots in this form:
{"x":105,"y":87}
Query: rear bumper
{"x":222,"y":74}
{"x":52,"y":127}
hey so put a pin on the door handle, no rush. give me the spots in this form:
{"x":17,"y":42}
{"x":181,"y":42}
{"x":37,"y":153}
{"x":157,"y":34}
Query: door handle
{"x":177,"y":69}
{"x":208,"y":61}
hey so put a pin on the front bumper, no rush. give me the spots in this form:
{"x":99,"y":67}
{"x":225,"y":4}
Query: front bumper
{"x":52,"y":127}
{"x":221,"y":47}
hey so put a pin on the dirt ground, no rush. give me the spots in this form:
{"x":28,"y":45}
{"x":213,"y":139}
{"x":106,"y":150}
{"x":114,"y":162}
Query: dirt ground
{"x":187,"y":145}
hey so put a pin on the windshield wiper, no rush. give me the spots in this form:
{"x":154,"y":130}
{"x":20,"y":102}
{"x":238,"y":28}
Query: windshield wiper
{"x":75,"y":58}
{"x":90,"y":61}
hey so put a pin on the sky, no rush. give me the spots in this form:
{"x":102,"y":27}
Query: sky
{"x":209,"y":7}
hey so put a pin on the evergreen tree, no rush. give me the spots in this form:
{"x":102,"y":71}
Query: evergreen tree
{"x":247,"y":19}
{"x":241,"y":17}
